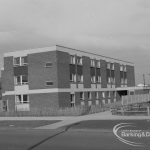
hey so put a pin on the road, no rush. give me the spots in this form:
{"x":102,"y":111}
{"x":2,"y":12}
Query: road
{"x":86,"y":135}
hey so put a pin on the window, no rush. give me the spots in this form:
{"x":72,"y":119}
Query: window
{"x":121,"y":68}
{"x":114,"y":93}
{"x":17,"y":61}
{"x":80,"y":78}
{"x":21,"y":80}
{"x":48,"y":64}
{"x":49,"y":83}
{"x":98,"y":79}
{"x":108,"y":93}
{"x":108,"y":65}
{"x":103,"y":94}
{"x":112,"y":67}
{"x":93,"y":79}
{"x":20,"y":61}
{"x":109,"y":80}
{"x":72,"y":77}
{"x":89,"y":95}
{"x":89,"y":103}
{"x":125,"y":80}
{"x":97,"y":102}
{"x":98,"y":64}
{"x":81,"y":96}
{"x":96,"y":95}
{"x":22,"y":99}
{"x":103,"y":102}
{"x":72,"y":100}
{"x":79,"y":60}
{"x":72,"y":59}
{"x":24,"y":60}
{"x":125,"y":68}
{"x":92,"y":63}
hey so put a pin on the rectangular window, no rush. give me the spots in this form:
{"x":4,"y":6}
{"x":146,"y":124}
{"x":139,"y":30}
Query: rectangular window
{"x":17,"y":61}
{"x":24,"y":60}
{"x":22,"y":99}
{"x":97,"y":95}
{"x":48,"y":65}
{"x":108,"y":65}
{"x":92,"y":63}
{"x":89,"y":103}
{"x":72,"y":59}
{"x":80,"y":78}
{"x":79,"y":60}
{"x":81,"y":96}
{"x":20,"y":61}
{"x":97,"y":102}
{"x":89,"y":95}
{"x":72,"y":77}
{"x":99,"y":79}
{"x":93,"y":79}
{"x":98,"y":64}
{"x":103,"y":94}
{"x":21,"y":80}
{"x":72,"y":100}
{"x":108,"y":93}
{"x":49,"y":83}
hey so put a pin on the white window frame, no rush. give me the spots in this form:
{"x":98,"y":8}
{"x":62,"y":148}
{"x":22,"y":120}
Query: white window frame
{"x":82,"y":98}
{"x":21,"y":82}
{"x":73,"y":77}
{"x":80,"y":78}
{"x":92,"y":63}
{"x":20,"y":61}
{"x":22,"y":100}
{"x":72,"y":59}
{"x":98,"y":64}
{"x":103,"y":94}
{"x":99,"y":79}
{"x":97,"y":95}
{"x":79,"y":61}
{"x":72,"y":100}
{"x":93,"y":79}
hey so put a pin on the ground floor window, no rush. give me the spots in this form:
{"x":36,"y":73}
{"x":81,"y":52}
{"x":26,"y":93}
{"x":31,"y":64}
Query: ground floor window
{"x":72,"y":100}
{"x":22,"y":99}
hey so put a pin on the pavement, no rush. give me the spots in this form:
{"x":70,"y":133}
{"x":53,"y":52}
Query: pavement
{"x":66,"y":121}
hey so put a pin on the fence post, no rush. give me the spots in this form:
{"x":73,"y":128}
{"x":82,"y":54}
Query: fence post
{"x":148,"y":112}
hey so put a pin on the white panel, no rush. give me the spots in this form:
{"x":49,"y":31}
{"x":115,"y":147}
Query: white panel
{"x":22,"y":88}
{"x":22,"y":107}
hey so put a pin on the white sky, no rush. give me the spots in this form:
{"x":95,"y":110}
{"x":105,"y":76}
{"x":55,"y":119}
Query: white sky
{"x":115,"y":28}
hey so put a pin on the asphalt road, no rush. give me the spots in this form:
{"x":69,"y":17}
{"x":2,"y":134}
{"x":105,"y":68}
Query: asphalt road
{"x":87,"y":135}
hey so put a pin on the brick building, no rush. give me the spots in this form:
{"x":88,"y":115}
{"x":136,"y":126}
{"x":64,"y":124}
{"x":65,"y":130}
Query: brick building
{"x":62,"y":77}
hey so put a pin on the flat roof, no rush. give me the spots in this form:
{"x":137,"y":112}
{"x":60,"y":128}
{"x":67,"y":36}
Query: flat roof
{"x":65,"y":49}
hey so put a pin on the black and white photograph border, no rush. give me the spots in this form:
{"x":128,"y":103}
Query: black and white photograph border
{"x":74,"y":74}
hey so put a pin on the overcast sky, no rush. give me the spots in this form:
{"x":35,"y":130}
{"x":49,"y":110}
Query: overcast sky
{"x":115,"y":28}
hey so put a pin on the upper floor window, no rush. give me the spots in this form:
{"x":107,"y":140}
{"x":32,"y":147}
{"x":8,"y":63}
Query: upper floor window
{"x":72,"y":77}
{"x":112,"y":66}
{"x":103,"y":94}
{"x":98,"y":64}
{"x":121,"y":68}
{"x":48,"y":64}
{"x":93,"y":79}
{"x":72,"y":100}
{"x":49,"y":83}
{"x":98,"y":79}
{"x":125,"y":68}
{"x":72,"y":59}
{"x":20,"y":61}
{"x":79,"y":60}
{"x":21,"y":80}
{"x":80,"y":78}
{"x":96,"y":95}
{"x":108,"y":65}
{"x":92,"y":63}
